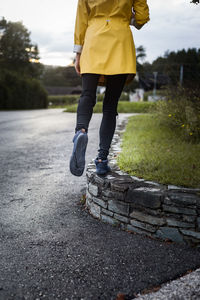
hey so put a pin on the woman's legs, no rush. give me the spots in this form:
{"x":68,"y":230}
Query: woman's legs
{"x":114,"y":87}
{"x":87,"y":101}
{"x":84,"y":114}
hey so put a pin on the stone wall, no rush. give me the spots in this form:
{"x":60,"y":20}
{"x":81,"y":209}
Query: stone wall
{"x":133,"y":204}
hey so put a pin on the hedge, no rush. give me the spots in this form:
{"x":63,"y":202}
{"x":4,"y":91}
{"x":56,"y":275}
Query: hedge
{"x":18,"y":92}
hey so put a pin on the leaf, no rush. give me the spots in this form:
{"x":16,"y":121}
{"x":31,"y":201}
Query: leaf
{"x":120,"y":297}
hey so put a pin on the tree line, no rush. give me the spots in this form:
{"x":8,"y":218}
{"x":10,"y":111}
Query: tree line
{"x":180,"y":67}
{"x":168,"y":67}
{"x":20,"y":70}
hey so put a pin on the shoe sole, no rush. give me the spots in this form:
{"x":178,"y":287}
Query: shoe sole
{"x":77,"y":160}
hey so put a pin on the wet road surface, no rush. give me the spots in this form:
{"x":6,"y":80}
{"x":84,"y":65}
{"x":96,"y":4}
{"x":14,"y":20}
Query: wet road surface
{"x":50,"y":247}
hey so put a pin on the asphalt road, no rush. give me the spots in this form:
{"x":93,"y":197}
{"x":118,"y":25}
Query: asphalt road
{"x":50,"y":247}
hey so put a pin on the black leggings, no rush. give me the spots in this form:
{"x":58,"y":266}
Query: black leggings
{"x":114,"y":87}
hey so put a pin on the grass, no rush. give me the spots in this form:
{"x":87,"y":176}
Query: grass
{"x":123,"y":107}
{"x":155,"y":152}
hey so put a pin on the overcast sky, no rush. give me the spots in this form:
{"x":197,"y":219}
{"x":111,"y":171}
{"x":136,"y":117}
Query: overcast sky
{"x":174,"y":25}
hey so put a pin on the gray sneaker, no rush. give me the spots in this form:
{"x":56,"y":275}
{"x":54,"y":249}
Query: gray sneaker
{"x":77,"y":160}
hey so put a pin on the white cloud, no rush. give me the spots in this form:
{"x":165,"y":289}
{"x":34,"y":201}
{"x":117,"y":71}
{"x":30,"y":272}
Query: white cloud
{"x":56,"y":58}
{"x":51,"y":24}
{"x":174,"y":25}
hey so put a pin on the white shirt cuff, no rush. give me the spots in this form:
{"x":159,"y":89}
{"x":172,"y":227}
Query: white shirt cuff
{"x":78,"y":48}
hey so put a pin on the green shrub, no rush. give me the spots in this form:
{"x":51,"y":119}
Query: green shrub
{"x":124,"y":97}
{"x":181,"y":110}
{"x":18,"y":92}
{"x":100,"y":97}
{"x":62,"y":100}
{"x":123,"y":107}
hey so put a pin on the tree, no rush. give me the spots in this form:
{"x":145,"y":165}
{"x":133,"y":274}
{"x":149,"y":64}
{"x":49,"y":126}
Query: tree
{"x":140,"y":56}
{"x":60,"y":76}
{"x":172,"y":63}
{"x":19,"y":69}
{"x":16,"y":50}
{"x":140,"y":53}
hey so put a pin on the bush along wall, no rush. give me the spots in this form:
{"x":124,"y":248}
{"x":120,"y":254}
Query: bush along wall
{"x":181,"y":110}
{"x":18,"y":92}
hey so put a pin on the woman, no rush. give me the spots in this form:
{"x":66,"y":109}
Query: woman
{"x":105,"y":55}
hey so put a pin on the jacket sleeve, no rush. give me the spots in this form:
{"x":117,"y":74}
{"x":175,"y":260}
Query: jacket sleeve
{"x":141,"y":10}
{"x":81,"y":25}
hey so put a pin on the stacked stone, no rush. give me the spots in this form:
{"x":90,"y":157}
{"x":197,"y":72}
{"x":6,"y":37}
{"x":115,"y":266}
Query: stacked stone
{"x":144,"y":207}
{"x":133,"y":204}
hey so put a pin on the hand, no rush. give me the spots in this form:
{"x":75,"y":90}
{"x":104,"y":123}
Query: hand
{"x":133,"y":21}
{"x":77,"y":63}
{"x":136,"y":25}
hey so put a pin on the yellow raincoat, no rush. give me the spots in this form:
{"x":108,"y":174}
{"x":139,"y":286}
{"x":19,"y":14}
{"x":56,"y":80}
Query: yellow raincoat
{"x":104,"y":38}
